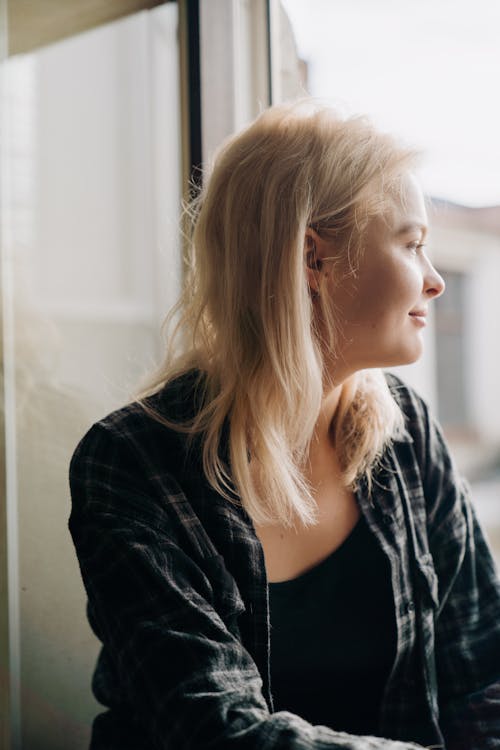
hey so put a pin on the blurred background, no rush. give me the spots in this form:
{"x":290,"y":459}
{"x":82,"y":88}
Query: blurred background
{"x":106,"y":111}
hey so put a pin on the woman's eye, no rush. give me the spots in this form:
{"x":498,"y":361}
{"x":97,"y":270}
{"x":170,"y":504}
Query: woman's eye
{"x":415,"y":246}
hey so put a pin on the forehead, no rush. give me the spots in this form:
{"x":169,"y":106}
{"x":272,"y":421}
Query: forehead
{"x":403,"y":213}
{"x":407,"y":210}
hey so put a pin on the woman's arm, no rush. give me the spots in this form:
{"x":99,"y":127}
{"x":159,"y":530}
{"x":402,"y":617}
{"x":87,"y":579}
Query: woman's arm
{"x":468,"y":617}
{"x":185,"y":675}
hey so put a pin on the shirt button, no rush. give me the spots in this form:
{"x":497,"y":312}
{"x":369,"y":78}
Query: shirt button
{"x":410,"y":606}
{"x":388,"y":519}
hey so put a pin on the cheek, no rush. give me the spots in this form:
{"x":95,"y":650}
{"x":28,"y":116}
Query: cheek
{"x":371,"y":298}
{"x":381,"y":295}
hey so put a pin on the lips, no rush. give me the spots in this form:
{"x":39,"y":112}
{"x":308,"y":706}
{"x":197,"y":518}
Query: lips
{"x":419,"y":316}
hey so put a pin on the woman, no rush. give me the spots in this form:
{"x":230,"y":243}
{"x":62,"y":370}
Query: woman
{"x":277,"y":550}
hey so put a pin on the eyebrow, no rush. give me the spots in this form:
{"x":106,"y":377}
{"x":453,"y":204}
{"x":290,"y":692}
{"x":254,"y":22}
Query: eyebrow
{"x":412,"y":226}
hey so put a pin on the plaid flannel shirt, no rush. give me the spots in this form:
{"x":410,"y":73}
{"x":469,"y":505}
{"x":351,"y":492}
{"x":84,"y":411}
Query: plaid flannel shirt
{"x":177,"y":593}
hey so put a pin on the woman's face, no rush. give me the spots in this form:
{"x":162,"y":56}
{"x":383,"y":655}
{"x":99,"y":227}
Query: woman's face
{"x":381,"y":311}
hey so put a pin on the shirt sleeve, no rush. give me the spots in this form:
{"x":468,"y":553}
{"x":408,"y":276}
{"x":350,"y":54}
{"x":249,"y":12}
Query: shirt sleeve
{"x":186,"y":676}
{"x":468,"y":615}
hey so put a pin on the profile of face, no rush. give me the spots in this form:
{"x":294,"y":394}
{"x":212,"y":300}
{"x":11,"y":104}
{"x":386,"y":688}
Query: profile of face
{"x":381,"y":310}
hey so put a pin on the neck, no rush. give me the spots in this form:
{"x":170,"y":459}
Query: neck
{"x":322,"y":441}
{"x":329,"y":406}
{"x":322,"y":457}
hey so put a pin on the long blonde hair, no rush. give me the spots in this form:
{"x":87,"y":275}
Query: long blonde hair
{"x":245,"y":320}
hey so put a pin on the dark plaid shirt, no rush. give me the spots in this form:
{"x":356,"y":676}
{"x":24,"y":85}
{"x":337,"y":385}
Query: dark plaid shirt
{"x":177,"y":594}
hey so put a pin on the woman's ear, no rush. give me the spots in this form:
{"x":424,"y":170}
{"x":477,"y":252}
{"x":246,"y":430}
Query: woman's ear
{"x":314,"y":251}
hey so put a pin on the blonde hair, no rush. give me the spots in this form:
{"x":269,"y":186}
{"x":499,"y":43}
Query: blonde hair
{"x":246,"y":319}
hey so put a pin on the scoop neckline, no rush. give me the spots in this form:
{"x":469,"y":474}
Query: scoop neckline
{"x":290,"y":581}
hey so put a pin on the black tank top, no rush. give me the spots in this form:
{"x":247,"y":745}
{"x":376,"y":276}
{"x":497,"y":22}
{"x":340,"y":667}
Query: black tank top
{"x":333,"y":637}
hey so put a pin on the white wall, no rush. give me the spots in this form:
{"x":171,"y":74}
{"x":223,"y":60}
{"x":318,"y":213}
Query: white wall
{"x":97,"y":264}
{"x":484,"y":337}
{"x":477,"y":255}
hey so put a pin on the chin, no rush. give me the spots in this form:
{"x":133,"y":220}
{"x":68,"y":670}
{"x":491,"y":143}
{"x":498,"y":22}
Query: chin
{"x":406,"y":356}
{"x":390,"y":355}
{"x":410,"y":357}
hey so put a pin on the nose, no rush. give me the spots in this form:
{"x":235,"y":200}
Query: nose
{"x":434,"y":284}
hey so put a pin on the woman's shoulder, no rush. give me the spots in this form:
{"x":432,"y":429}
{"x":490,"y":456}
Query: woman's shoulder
{"x":407,"y":397}
{"x":146,"y":422}
{"x":430,"y":450}
{"x":132,"y":474}
{"x":417,"y":417}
